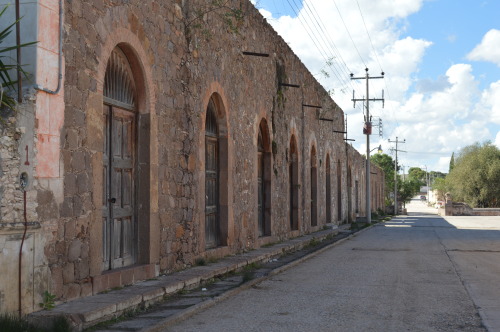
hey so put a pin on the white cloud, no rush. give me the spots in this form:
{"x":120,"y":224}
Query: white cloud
{"x":489,"y":106}
{"x":488,"y":49}
{"x":497,"y":140}
{"x":443,"y":115}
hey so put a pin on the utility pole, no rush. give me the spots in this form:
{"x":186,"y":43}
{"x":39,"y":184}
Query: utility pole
{"x":367,"y":130}
{"x":396,"y":175}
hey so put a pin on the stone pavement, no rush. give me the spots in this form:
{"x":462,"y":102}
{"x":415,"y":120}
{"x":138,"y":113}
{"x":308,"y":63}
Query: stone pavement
{"x":89,"y":311}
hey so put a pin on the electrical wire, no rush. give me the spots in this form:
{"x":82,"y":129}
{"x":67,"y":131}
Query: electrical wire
{"x":329,"y":41}
{"x":349,"y":33}
{"x":337,"y":72}
{"x":317,"y":43}
{"x":369,"y":37}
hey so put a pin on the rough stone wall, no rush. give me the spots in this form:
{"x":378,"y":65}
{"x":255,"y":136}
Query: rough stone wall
{"x":17,"y":139}
{"x":180,"y":59}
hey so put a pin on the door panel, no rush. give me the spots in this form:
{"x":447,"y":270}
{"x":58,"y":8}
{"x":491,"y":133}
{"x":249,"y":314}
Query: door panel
{"x":119,"y":214}
{"x":261,"y":193}
{"x":211,"y":192}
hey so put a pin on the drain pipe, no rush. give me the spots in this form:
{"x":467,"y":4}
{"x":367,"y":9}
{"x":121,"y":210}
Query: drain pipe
{"x":56,"y":91}
{"x":24,"y":184}
{"x":18,"y":48}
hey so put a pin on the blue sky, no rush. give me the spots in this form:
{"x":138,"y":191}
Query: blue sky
{"x":441,"y":59}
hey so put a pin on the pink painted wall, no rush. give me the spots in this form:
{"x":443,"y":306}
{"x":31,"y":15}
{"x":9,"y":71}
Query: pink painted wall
{"x":49,"y":108}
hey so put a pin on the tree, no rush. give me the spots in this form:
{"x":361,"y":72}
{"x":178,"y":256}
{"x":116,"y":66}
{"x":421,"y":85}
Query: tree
{"x":475,"y":178}
{"x":435,"y":175}
{"x":6,"y":82}
{"x":440,"y":186}
{"x":452,"y":162}
{"x":408,"y":189}
{"x":386,"y":163}
{"x":418,"y":174}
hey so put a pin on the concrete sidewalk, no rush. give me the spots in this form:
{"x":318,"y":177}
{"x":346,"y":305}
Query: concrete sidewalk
{"x":89,"y":311}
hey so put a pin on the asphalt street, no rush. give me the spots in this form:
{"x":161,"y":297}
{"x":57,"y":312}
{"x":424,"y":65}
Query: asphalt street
{"x":419,"y":272}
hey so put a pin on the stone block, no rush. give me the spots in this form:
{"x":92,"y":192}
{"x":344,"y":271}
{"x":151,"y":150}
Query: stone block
{"x":57,"y":282}
{"x":69,"y":230}
{"x":127,"y":277}
{"x":82,"y":183}
{"x":114,"y":279}
{"x":74,"y":250}
{"x":144,"y":272}
{"x":86,"y":289}
{"x":99,"y":284}
{"x":78,"y":161}
{"x":82,"y":269}
{"x":71,"y":291}
{"x":66,"y":208}
{"x":69,"y":273}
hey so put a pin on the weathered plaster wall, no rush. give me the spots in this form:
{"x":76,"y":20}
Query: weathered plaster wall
{"x":31,"y":144}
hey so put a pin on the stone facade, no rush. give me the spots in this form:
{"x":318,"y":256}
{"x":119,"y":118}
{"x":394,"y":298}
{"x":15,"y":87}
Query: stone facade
{"x":183,"y":56}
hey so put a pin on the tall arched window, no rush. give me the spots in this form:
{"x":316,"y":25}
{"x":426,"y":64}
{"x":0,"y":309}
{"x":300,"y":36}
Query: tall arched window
{"x":212,"y":217}
{"x":328,"y":190}
{"x":314,"y":188}
{"x":264,"y":179}
{"x":119,"y":160}
{"x":293,"y":183}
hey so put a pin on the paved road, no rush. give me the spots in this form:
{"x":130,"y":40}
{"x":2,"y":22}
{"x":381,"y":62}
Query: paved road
{"x":415,"y":273}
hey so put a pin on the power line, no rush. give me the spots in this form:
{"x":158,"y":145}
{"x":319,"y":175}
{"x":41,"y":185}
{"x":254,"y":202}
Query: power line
{"x":321,"y":33}
{"x":308,"y":31}
{"x":369,"y":37}
{"x":320,"y":41}
{"x":349,"y":33}
{"x":345,"y":68}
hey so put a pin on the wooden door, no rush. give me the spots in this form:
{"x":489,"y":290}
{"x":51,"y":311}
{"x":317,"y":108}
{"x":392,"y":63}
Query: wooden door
{"x":211,"y":178}
{"x":261,"y":203}
{"x":119,"y":227}
{"x":211,"y":192}
{"x":328,"y":192}
{"x":339,"y":191}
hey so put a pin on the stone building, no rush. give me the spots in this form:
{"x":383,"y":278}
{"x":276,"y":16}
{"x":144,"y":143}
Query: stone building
{"x":153,"y":133}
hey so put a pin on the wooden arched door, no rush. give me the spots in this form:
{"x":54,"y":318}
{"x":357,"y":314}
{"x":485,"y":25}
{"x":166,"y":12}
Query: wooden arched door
{"x":119,"y":164}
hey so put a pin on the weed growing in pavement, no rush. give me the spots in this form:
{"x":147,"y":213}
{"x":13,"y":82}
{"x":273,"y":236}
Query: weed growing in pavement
{"x":270,"y":244}
{"x":12,"y":323}
{"x":200,"y":262}
{"x":313,"y":243}
{"x":252,"y":266}
{"x":124,"y":316}
{"x":213,"y":260}
{"x":247,"y":276}
{"x":48,"y":301}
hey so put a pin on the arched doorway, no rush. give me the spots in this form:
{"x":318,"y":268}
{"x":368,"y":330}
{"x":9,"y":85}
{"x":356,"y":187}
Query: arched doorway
{"x":328,"y":190}
{"x":339,"y":191}
{"x":293,"y":184}
{"x":212,"y":175}
{"x":264,"y":179}
{"x":119,"y":164}
{"x":349,"y":195}
{"x":216,"y":199}
{"x":314,"y":188}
